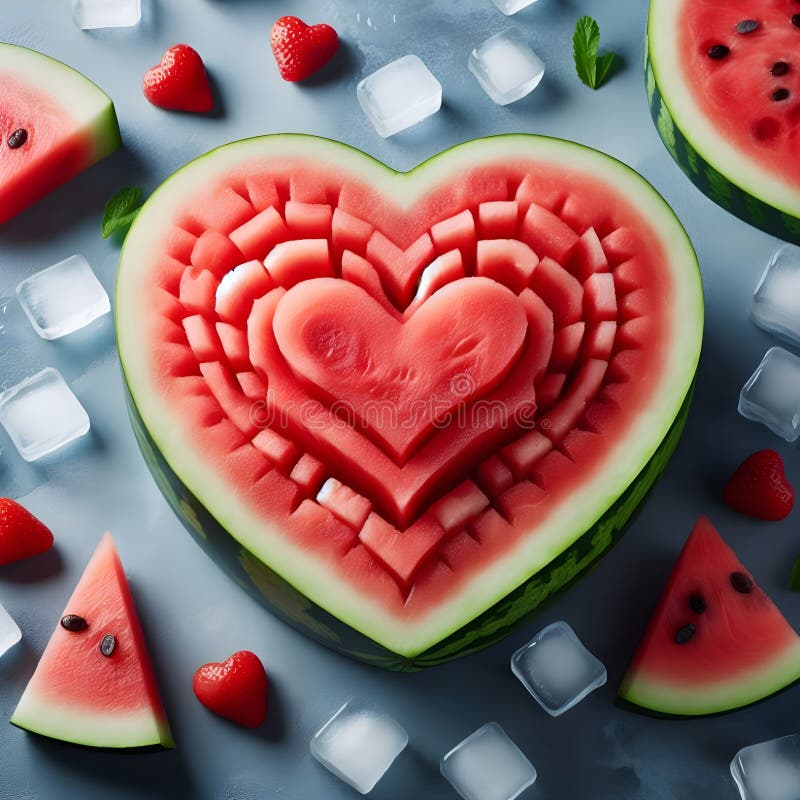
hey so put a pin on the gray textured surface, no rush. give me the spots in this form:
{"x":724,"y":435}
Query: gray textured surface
{"x":191,"y":611}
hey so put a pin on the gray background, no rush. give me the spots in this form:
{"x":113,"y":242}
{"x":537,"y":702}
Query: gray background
{"x":191,"y":612}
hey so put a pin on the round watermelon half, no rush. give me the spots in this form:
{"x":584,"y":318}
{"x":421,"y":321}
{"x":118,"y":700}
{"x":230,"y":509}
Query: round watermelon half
{"x":715,"y":642}
{"x":723,"y":81}
{"x":54,"y":123}
{"x":404,"y":409}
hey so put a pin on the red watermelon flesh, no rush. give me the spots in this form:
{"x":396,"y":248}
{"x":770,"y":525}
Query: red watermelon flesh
{"x":77,"y":694}
{"x":68,"y":124}
{"x":737,"y":647}
{"x":752,"y":102}
{"x":400,"y":355}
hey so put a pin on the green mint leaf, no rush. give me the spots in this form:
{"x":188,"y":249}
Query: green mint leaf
{"x":794,"y":581}
{"x":121,"y":210}
{"x":125,"y":221}
{"x":605,"y":65}
{"x":585,"y":42}
{"x":592,"y":69}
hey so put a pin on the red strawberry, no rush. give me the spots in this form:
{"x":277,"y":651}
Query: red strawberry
{"x":759,"y":487}
{"x":236,"y":689}
{"x":21,"y":534}
{"x":301,"y":49}
{"x":179,"y":82}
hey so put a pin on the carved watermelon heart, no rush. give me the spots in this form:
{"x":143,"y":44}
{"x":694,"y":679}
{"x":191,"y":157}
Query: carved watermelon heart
{"x":422,"y":377}
{"x":456,"y":348}
{"x":405,"y":395}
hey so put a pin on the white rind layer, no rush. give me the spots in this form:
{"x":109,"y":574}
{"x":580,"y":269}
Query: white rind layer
{"x":93,"y":728}
{"x":700,"y":699}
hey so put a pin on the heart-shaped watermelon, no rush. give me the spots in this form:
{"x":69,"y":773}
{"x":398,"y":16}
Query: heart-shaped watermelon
{"x":404,"y":409}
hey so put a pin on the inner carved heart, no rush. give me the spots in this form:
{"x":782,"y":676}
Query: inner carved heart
{"x":345,"y":347}
{"x":399,"y":389}
{"x":394,"y":403}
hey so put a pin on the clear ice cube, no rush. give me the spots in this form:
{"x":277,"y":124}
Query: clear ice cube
{"x":63,"y":298}
{"x":41,"y":414}
{"x":487,"y":765}
{"x":506,"y":67}
{"x":509,"y":7}
{"x":770,"y":770}
{"x":776,"y":303}
{"x":90,"y":14}
{"x":359,"y":744}
{"x":557,"y":669}
{"x":10,"y":633}
{"x":399,"y":95}
{"x":772,"y":395}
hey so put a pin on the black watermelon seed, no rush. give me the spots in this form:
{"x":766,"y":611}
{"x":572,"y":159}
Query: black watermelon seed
{"x":107,"y":644}
{"x":747,"y":26}
{"x":685,"y":633}
{"x":18,"y":138}
{"x":779,"y":69}
{"x":73,"y":623}
{"x":780,"y":94}
{"x":741,"y":582}
{"x":719,"y":51}
{"x":697,"y":603}
{"x":796,"y":20}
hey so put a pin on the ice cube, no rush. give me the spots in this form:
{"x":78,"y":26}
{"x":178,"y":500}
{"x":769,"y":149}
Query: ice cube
{"x":359,"y":744}
{"x":506,"y":67}
{"x":772,"y":395}
{"x":90,"y":14}
{"x":776,"y":304}
{"x":488,"y":766}
{"x":509,"y":7}
{"x":399,"y":95}
{"x":42,"y":414}
{"x":63,"y":298}
{"x":770,"y":770}
{"x":10,"y":633}
{"x":557,"y":669}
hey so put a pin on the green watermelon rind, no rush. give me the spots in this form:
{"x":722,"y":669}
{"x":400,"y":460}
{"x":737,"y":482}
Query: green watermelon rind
{"x":287,"y":595}
{"x":297,"y":610}
{"x":741,"y":201}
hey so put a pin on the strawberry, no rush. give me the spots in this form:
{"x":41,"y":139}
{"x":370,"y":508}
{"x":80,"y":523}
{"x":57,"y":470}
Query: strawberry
{"x":236,"y":689}
{"x":21,"y":534}
{"x":179,"y":82}
{"x":759,"y":487}
{"x":301,"y":49}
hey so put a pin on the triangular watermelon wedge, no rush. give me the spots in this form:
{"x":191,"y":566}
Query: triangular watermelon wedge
{"x":715,"y":642}
{"x":77,"y":694}
{"x":55,"y":123}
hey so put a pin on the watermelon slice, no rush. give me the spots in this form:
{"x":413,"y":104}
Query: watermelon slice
{"x":81,"y":692}
{"x":715,"y":642}
{"x":723,"y":90}
{"x":404,"y":409}
{"x":54,"y":123}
